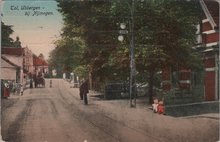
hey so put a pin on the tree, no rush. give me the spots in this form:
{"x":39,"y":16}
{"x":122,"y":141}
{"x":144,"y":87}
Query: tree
{"x":6,"y":32}
{"x":95,"y":30}
{"x":164,"y":36}
{"x":168,"y":42}
{"x":171,"y":40}
{"x":66,"y":55}
{"x":7,"y":41}
{"x":161,"y":28}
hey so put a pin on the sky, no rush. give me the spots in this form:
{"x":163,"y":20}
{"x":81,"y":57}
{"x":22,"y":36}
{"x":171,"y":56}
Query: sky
{"x":37,"y":23}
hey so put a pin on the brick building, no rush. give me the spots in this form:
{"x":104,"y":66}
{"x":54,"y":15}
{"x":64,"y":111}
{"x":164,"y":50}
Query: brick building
{"x":209,"y":32}
{"x":208,"y":46}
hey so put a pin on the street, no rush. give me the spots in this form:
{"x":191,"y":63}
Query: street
{"x":58,"y":115}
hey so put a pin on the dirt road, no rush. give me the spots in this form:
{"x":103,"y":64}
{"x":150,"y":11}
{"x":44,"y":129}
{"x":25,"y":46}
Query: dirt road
{"x":58,"y":115}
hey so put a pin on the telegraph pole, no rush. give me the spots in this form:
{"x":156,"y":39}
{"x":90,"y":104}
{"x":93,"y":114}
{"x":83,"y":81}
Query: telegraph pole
{"x":132,"y":60}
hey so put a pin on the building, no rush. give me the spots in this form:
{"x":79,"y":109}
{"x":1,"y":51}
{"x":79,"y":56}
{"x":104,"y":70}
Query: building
{"x":15,"y":56}
{"x":40,"y":65}
{"x":208,"y":46}
{"x":9,"y":70}
{"x":28,"y":61}
{"x":22,"y":57}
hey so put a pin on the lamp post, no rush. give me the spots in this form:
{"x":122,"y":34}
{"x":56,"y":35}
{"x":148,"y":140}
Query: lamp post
{"x":132,"y":88}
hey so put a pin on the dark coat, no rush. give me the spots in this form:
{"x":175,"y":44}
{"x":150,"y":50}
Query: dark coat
{"x":84,"y":88}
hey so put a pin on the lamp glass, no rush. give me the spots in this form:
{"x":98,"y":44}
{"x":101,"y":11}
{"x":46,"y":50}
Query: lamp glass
{"x":122,"y":26}
{"x":120,"y":38}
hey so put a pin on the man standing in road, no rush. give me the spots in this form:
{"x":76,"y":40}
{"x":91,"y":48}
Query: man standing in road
{"x":84,"y":89}
{"x":81,"y":91}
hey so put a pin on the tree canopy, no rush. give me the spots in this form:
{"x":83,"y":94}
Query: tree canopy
{"x":164,"y":34}
{"x":6,"y":40}
{"x":67,"y":54}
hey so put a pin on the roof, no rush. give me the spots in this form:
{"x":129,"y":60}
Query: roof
{"x":17,"y":60}
{"x":211,"y":11}
{"x":12,"y":51}
{"x":39,"y":62}
{"x":9,"y":62}
{"x":213,"y":8}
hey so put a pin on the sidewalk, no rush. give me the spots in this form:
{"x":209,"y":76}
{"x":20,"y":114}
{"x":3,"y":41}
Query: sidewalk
{"x":201,"y":128}
{"x":163,"y":128}
{"x":142,"y":103}
{"x":203,"y":109}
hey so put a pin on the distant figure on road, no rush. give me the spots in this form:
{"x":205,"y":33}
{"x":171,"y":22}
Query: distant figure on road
{"x":31,"y":83}
{"x":81,"y":91}
{"x":84,"y":89}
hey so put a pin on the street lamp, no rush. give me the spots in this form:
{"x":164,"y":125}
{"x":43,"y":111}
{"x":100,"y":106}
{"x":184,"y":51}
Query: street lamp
{"x":121,"y":38}
{"x":122,"y":26}
{"x":132,"y":88}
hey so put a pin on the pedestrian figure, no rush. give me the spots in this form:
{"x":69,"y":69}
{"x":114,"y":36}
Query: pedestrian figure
{"x":2,"y":89}
{"x":155,"y":105}
{"x":161,"y":108}
{"x":31,"y":83}
{"x":35,"y":81}
{"x":5,"y":92}
{"x":50,"y":83}
{"x":81,"y":91}
{"x":22,"y":90}
{"x":85,"y":89}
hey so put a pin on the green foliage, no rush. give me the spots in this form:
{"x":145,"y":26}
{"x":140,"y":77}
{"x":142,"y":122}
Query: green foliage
{"x":6,"y":32}
{"x":81,"y":71}
{"x":6,"y":40}
{"x":67,"y":54}
{"x":164,"y":34}
{"x":93,"y":22}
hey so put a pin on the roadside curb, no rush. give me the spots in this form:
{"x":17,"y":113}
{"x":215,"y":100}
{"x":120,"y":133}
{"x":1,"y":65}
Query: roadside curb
{"x":207,"y":110}
{"x":203,"y":109}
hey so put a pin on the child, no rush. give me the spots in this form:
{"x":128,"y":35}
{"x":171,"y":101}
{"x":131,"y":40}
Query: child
{"x":155,"y":105}
{"x":161,"y":108}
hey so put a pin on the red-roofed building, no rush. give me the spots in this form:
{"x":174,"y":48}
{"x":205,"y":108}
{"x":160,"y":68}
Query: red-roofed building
{"x":40,"y":65}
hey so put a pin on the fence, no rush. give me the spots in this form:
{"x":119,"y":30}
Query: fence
{"x":178,"y":95}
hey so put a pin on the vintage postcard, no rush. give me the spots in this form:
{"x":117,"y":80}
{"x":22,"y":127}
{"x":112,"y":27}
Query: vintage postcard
{"x":110,"y":70}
